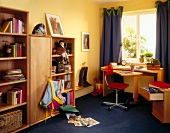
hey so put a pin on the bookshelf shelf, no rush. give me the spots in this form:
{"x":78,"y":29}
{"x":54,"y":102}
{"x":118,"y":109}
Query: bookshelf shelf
{"x":12,"y":34}
{"x":67,"y":90}
{"x":12,"y":58}
{"x":3,"y":83}
{"x":59,"y":74}
{"x":5,"y":107}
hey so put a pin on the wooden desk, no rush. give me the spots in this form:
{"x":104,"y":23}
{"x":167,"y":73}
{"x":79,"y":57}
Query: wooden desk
{"x":135,"y":80}
{"x":158,"y":74}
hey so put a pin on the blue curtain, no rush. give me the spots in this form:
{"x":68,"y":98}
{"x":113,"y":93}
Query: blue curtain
{"x":111,"y":39}
{"x":163,"y":37}
{"x":111,"y":36}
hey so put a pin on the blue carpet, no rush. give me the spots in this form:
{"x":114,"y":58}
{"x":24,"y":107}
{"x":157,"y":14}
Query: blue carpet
{"x":138,"y":119}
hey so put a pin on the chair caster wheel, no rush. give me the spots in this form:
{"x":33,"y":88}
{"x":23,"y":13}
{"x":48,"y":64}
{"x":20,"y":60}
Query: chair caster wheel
{"x":103,"y":104}
{"x":109,"y":109}
{"x":126,"y":109}
{"x":128,"y":102}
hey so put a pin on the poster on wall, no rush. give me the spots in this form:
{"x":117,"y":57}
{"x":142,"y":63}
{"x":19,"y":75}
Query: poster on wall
{"x":85,"y":41}
{"x":54,"y":25}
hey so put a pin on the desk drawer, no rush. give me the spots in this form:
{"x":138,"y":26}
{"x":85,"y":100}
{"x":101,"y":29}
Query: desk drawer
{"x":151,"y":96}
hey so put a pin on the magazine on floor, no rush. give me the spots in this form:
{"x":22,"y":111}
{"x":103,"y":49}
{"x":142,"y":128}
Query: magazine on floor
{"x":81,"y":121}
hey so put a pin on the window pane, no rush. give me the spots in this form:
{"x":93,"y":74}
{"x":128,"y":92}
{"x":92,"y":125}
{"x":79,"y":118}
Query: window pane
{"x":129,"y":36}
{"x":148,"y":31}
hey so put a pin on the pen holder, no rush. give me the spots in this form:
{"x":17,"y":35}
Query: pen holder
{"x":132,"y":67}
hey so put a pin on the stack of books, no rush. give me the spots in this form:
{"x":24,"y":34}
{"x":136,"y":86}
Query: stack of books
{"x":14,"y":75}
{"x":16,"y":95}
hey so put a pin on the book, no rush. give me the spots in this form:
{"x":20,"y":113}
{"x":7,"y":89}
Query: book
{"x":14,"y":71}
{"x":65,"y":95}
{"x":19,"y":94}
{"x":62,"y":84}
{"x":16,"y":49}
{"x":19,"y":49}
{"x":13,"y":49}
{"x":5,"y":26}
{"x":12,"y":97}
{"x":68,"y":109}
{"x":14,"y":77}
{"x":24,"y":93}
{"x":159,"y":84}
{"x":14,"y":25}
{"x":68,"y":98}
{"x":23,"y":50}
{"x":71,"y":98}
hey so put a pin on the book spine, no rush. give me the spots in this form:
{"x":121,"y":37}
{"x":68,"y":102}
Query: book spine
{"x":68,"y":98}
{"x":14,"y":25}
{"x":16,"y":49}
{"x":72,"y":98}
{"x":24,"y":91}
{"x":23,"y":50}
{"x":19,"y":50}
{"x":5,"y":26}
{"x":10,"y":97}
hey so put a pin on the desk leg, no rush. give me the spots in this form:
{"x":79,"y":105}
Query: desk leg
{"x":135,"y":89}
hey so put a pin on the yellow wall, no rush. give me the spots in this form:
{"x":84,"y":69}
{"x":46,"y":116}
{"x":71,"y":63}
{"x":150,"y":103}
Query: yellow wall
{"x":76,"y":16}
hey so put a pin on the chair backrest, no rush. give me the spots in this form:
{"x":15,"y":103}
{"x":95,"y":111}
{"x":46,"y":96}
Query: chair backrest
{"x":108,"y":70}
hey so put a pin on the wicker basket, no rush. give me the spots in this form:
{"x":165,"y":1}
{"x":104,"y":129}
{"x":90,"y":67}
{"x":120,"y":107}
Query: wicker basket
{"x":10,"y":121}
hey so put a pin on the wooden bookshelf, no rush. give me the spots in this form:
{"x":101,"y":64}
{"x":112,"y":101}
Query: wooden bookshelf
{"x":9,"y":63}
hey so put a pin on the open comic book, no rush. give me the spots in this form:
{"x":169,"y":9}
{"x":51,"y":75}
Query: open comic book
{"x":81,"y":121}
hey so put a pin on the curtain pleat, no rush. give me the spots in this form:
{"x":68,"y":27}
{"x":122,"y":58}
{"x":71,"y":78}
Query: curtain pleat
{"x":111,"y":36}
{"x":163,"y":37}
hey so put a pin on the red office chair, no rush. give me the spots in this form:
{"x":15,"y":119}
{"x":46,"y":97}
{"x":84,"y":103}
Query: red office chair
{"x":116,"y":86}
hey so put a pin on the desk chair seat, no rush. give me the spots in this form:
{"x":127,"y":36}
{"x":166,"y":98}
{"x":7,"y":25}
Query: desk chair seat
{"x":116,"y":86}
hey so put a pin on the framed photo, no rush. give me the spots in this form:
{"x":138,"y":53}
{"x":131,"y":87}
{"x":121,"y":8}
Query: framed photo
{"x":85,"y":41}
{"x":54,"y":25}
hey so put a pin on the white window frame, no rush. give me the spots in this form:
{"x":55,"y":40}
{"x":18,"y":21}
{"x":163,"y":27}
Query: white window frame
{"x":139,"y":12}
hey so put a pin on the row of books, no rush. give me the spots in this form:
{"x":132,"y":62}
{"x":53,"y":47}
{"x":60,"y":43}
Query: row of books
{"x":13,"y":25}
{"x":64,"y":84}
{"x":69,"y":98}
{"x":14,"y":75}
{"x":18,"y":49}
{"x":16,"y":95}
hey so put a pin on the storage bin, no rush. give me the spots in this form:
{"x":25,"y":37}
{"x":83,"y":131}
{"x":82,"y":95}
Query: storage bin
{"x":10,"y":121}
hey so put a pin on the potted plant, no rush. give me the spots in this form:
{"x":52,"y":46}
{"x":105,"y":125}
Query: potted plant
{"x":148,"y":55}
{"x":141,"y":59}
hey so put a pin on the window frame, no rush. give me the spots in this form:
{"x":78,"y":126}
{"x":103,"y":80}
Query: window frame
{"x":137,"y":13}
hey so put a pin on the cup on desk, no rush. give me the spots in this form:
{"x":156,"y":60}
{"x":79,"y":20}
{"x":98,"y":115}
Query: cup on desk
{"x":132,"y":67}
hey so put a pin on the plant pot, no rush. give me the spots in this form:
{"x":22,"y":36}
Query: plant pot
{"x":148,"y":59}
{"x":141,"y":60}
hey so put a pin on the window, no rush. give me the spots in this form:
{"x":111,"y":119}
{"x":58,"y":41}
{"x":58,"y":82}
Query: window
{"x":138,"y":34}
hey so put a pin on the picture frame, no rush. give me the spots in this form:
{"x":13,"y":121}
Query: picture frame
{"x":54,"y":25}
{"x":85,"y":41}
